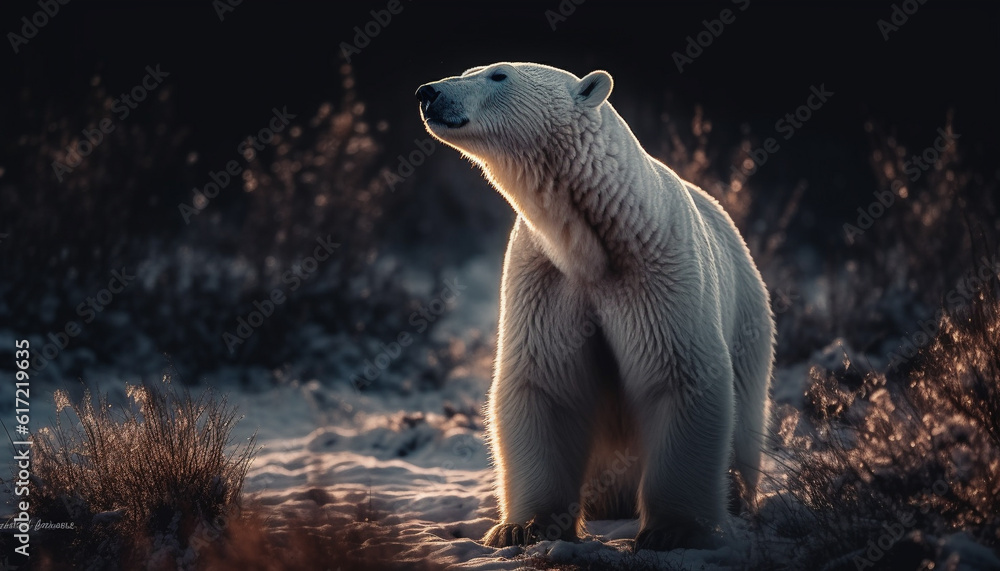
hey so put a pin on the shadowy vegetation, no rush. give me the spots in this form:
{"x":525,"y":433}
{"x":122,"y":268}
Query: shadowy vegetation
{"x":879,"y":465}
{"x":314,"y":539}
{"x":138,"y":483}
{"x":307,"y":229}
{"x":318,"y":181}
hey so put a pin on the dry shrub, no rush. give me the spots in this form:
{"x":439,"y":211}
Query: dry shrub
{"x":904,"y":262}
{"x":319,"y":177}
{"x":75,"y":226}
{"x":261,"y":541}
{"x":956,"y":386}
{"x":138,"y":482}
{"x":907,"y":454}
{"x":317,"y":180}
{"x":922,"y":242}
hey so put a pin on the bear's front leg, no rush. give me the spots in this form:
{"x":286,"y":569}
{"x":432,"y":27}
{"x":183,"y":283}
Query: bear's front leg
{"x":540,"y":445}
{"x":542,"y":401}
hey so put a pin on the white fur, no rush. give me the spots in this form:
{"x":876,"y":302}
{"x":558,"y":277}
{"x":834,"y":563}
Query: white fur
{"x":678,"y":371}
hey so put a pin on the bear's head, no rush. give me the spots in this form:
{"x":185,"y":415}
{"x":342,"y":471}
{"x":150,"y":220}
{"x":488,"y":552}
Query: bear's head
{"x":509,"y":113}
{"x":545,"y":139}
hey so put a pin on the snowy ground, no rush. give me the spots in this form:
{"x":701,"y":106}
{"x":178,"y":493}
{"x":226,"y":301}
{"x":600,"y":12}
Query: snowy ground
{"x":415,"y":463}
{"x":424,"y":474}
{"x":418,"y":464}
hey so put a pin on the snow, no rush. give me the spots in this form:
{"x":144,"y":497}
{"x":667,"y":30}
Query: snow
{"x":424,"y":472}
{"x":426,"y":475}
{"x":414,"y":462}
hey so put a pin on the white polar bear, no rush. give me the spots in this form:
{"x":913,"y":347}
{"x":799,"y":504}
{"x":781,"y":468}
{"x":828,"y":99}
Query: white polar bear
{"x":647,"y":413}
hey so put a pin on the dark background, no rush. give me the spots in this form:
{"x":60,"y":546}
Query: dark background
{"x":226,"y":76}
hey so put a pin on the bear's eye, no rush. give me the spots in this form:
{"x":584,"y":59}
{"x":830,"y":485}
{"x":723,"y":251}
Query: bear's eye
{"x":497,"y":76}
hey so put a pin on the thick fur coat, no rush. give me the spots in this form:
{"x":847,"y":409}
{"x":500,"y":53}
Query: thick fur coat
{"x":636,"y":337}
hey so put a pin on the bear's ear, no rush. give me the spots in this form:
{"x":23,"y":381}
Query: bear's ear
{"x":594,"y":88}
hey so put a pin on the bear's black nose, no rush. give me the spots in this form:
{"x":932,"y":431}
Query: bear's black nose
{"x":426,"y":95}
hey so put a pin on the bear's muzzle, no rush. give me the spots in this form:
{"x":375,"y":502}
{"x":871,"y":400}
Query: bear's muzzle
{"x":437,"y":109}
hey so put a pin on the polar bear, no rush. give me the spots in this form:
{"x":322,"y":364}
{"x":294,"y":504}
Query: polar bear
{"x":648,"y":409}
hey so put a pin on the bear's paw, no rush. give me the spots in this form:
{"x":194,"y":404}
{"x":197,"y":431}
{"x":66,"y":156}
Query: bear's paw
{"x":507,"y":534}
{"x":668,"y":537}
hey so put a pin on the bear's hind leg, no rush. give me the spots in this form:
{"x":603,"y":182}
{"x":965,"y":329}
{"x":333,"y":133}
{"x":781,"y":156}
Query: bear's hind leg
{"x":687,"y":439}
{"x":752,"y":366}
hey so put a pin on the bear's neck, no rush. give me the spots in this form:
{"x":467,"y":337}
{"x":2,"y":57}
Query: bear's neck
{"x":588,"y":198}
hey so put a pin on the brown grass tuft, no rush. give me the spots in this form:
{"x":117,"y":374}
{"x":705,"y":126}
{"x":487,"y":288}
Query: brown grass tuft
{"x":137,"y":482}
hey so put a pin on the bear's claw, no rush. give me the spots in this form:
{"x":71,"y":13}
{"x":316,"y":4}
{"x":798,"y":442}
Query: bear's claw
{"x":507,"y":534}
